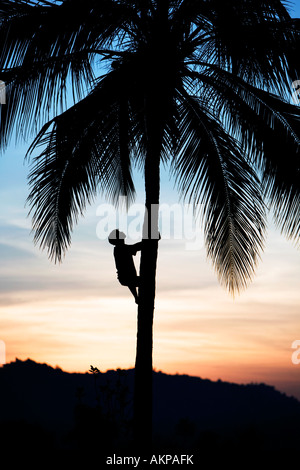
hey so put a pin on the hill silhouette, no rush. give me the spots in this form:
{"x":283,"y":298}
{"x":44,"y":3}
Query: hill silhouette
{"x":49,"y":409}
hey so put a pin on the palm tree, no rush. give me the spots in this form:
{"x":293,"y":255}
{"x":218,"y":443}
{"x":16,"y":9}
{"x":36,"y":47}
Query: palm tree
{"x":202,"y":86}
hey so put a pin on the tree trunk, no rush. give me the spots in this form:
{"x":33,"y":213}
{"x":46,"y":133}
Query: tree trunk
{"x":149,"y":252}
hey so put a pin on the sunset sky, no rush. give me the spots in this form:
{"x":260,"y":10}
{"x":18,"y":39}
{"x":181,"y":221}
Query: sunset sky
{"x":77,"y":314}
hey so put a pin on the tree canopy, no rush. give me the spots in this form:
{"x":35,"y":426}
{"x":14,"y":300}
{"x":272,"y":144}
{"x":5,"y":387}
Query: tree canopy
{"x":217,"y":76}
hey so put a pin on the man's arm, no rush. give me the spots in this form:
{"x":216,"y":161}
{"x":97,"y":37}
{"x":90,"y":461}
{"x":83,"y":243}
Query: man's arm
{"x":138,"y":246}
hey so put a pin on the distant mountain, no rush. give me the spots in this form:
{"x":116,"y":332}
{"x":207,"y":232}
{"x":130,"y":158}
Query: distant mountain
{"x":47,"y":408}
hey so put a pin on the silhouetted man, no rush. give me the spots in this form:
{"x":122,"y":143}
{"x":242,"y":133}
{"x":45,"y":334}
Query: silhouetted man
{"x":123,"y":253}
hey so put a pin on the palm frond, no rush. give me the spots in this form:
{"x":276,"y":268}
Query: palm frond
{"x":47,"y":47}
{"x":268,"y":129}
{"x":39,"y":30}
{"x":280,"y":162}
{"x":246,"y":111}
{"x":38,"y":90}
{"x":255,"y":40}
{"x":281,"y":169}
{"x":85,"y":150}
{"x":211,"y":170}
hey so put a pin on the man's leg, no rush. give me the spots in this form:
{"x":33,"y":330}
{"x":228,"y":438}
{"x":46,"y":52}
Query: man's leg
{"x":133,"y":290}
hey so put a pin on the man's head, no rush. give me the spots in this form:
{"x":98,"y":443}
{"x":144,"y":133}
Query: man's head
{"x":116,"y":237}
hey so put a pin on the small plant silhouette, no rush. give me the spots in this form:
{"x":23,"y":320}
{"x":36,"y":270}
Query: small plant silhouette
{"x":112,"y":398}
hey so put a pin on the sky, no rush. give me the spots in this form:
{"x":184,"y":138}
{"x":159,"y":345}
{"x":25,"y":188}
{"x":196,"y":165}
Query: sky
{"x":76,"y":314}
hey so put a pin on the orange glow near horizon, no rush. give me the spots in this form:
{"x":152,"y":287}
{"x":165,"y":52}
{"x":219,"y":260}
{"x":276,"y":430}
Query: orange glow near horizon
{"x":197,"y":331}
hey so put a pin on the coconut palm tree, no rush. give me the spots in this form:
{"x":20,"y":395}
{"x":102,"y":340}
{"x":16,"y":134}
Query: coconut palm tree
{"x":201,"y":86}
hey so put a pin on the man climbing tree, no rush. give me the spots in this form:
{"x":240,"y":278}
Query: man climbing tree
{"x":123,"y":254}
